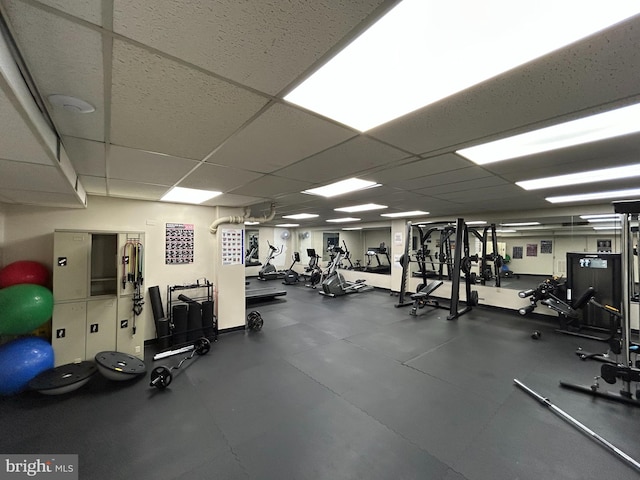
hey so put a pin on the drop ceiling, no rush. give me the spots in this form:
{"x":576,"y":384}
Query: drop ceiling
{"x":190,"y":94}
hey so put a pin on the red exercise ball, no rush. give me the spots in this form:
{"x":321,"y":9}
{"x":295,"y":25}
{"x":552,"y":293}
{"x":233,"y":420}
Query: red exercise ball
{"x":24,"y":271}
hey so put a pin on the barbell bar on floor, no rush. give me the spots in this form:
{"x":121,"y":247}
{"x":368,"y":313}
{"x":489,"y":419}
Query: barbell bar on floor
{"x":565,"y":416}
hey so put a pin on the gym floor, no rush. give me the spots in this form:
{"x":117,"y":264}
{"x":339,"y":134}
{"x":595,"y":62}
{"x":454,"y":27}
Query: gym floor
{"x":344,"y":388}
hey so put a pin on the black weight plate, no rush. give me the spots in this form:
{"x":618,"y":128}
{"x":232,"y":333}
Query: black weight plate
{"x":473,"y":299}
{"x":202,"y":346}
{"x":257,"y":324}
{"x":160,"y":377}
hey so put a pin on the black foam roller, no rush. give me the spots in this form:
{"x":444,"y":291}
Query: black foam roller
{"x":208,"y":321}
{"x":194,"y":322}
{"x":156,"y":303}
{"x":164,"y":333}
{"x":179,"y":324}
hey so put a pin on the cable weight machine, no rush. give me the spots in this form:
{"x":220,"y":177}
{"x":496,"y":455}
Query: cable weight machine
{"x":623,"y":368}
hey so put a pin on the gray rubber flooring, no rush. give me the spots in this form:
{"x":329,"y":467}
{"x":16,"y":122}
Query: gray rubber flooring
{"x":343,"y":388}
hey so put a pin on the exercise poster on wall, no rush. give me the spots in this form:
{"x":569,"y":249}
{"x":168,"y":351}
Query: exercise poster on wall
{"x":232,"y":246}
{"x":546,"y":246}
{"x":179,"y":243}
{"x":517,"y":252}
{"x":532,"y":249}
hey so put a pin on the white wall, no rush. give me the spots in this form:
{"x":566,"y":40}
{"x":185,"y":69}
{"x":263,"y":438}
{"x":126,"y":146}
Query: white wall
{"x":28,"y":235}
{"x":2,"y":222}
{"x":554,"y":263}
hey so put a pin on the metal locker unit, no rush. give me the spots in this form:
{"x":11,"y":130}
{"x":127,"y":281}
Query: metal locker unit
{"x":89,"y":297}
{"x":100,"y":326}
{"x":68,"y":332}
{"x":71,"y":265}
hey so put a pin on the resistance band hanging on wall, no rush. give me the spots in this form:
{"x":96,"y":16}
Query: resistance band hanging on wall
{"x":132,"y":261}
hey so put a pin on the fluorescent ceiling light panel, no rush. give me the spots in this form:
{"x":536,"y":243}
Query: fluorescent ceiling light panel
{"x":422,"y":51}
{"x":361,"y":208}
{"x":352,"y":228}
{"x":188,"y":195}
{"x":592,"y":176}
{"x":413,"y":213}
{"x":288,"y":225}
{"x":614,"y":227}
{"x":506,"y":231}
{"x":630,"y":193}
{"x":476,"y":222}
{"x":301,"y":216}
{"x":252,"y":223}
{"x":603,"y":220}
{"x":345,"y":219}
{"x":613,"y":123}
{"x":519,"y":224}
{"x":341,"y":187}
{"x":612,"y":216}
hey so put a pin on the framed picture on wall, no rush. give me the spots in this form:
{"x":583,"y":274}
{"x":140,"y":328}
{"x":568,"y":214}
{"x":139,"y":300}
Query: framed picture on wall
{"x":532,"y":249}
{"x":546,"y":246}
{"x":604,"y":245}
{"x":517,"y":252}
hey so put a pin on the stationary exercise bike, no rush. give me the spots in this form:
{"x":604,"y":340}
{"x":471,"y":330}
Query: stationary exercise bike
{"x":291,"y":276}
{"x":313,"y":270}
{"x":334,"y":284}
{"x":268,"y":271}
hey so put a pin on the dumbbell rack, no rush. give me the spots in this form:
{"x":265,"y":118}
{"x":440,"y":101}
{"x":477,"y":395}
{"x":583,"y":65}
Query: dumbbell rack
{"x":198,"y":292}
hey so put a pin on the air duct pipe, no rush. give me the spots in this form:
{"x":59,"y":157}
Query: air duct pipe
{"x":213,"y":228}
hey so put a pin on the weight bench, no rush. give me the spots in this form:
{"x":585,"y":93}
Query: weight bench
{"x":421,"y":299}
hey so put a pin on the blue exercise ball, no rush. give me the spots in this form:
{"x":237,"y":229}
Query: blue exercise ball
{"x":21,"y":360}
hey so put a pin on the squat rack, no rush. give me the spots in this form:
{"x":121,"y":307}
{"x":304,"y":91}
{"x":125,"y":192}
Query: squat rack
{"x":459,"y":262}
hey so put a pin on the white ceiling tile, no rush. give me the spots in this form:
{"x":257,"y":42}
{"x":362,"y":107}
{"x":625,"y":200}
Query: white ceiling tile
{"x":89,"y":10}
{"x":140,"y":191}
{"x":94,"y":185}
{"x":469,"y":185}
{"x":454,"y":176}
{"x":216,"y":177}
{"x":356,"y":155}
{"x":46,"y":199}
{"x":421,"y":168}
{"x":479,"y":195}
{"x":86,"y":156}
{"x":230,"y":200}
{"x":146,"y":167}
{"x":279,"y":137}
{"x":265,"y":45}
{"x":270,"y":186}
{"x":33,"y":177}
{"x":17,"y":141}
{"x":162,"y":106}
{"x":587,"y":74}
{"x":65,"y":58}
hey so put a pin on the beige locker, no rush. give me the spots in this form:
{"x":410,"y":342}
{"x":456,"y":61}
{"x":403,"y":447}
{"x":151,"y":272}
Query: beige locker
{"x":68,"y":332}
{"x":71,"y":265}
{"x":100,"y":326}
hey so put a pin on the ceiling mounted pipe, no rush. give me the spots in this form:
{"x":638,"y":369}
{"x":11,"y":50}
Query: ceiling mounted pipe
{"x":213,"y":228}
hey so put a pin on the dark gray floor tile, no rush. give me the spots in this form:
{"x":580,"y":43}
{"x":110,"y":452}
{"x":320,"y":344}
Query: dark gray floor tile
{"x":336,"y":441}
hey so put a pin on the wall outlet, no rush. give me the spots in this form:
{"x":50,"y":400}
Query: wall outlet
{"x":137,"y":350}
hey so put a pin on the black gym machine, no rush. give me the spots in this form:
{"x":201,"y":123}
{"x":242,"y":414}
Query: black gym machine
{"x":462,"y":262}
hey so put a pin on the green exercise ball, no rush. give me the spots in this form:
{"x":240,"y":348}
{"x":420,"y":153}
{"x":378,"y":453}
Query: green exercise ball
{"x":24,"y":308}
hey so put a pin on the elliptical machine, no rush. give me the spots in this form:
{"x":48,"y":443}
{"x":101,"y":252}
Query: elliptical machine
{"x":334,"y":284}
{"x":268,"y":271}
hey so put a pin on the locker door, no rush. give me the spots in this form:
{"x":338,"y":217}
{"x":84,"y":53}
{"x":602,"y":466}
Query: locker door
{"x":68,"y":332}
{"x":70,"y":265}
{"x":100,"y":327}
